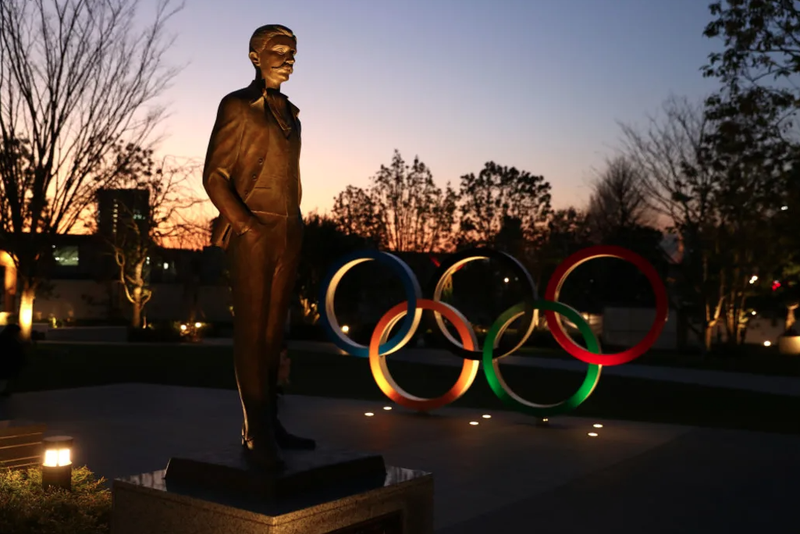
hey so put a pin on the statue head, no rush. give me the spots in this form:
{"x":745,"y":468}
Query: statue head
{"x":272,"y":51}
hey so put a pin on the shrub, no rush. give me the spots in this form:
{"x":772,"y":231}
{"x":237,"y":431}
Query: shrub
{"x":25,"y":508}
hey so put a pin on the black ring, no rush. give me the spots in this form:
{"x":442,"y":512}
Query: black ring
{"x":448,"y":266}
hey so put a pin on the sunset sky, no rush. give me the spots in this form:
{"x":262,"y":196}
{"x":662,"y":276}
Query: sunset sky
{"x":536,"y":84}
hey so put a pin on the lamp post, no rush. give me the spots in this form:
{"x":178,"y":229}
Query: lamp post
{"x":57,"y":464}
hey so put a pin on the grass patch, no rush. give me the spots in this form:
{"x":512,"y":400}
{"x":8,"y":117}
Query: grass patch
{"x":69,"y":366}
{"x":26,"y":508}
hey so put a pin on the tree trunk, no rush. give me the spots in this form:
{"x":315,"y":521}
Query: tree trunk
{"x":136,"y":308}
{"x":136,"y":316}
{"x":790,"y":318}
{"x":710,"y":322}
{"x":709,"y":330}
{"x":137,"y":295}
{"x":27,"y":297}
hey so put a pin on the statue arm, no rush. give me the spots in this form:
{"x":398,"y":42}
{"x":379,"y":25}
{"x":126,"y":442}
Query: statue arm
{"x":223,"y":151}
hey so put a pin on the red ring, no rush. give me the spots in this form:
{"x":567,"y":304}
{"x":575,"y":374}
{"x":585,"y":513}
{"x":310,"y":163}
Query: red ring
{"x":606,"y":251}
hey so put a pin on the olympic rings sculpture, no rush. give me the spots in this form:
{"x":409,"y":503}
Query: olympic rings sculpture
{"x":409,"y":315}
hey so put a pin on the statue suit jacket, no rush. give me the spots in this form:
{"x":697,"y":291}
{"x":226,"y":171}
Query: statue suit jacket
{"x":236,"y":154}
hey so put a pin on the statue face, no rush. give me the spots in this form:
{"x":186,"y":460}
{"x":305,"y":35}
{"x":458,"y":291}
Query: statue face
{"x":276,"y":60}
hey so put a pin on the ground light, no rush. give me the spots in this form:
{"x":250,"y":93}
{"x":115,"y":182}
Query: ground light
{"x":767,"y":343}
{"x":369,"y":414}
{"x":26,"y":313}
{"x":593,"y":434}
{"x":474,"y":423}
{"x":486,"y":416}
{"x":597,"y":425}
{"x":387,"y":408}
{"x":57,"y":463}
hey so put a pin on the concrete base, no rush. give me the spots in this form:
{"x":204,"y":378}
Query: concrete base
{"x":228,"y":471}
{"x":789,"y":345}
{"x":402,"y":505}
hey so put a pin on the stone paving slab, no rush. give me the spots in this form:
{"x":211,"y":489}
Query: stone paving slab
{"x":701,"y":482}
{"x":504,"y":471}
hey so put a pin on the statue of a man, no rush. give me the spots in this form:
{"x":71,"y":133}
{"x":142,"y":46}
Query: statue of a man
{"x":252,"y":175}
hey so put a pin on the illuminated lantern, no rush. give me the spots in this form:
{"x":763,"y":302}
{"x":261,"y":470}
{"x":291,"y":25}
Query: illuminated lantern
{"x":57,"y":464}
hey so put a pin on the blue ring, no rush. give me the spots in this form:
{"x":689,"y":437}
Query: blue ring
{"x":411,"y":288}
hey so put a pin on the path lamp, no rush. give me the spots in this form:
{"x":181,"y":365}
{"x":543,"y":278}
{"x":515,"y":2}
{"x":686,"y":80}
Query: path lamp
{"x":57,"y":464}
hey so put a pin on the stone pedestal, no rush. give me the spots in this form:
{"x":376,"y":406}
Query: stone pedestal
{"x":317,"y":494}
{"x":789,"y":345}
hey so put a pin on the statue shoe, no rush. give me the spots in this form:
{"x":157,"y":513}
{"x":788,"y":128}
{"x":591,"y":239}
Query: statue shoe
{"x":263,"y":452}
{"x":288,"y":441}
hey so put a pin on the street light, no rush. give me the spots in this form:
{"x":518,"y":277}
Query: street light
{"x":57,"y":463}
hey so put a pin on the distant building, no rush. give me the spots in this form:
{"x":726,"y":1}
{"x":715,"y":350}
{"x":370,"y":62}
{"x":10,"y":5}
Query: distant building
{"x":118,"y":208}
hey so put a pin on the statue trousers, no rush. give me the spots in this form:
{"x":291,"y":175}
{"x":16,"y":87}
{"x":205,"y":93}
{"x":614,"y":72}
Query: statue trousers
{"x":263,"y":265}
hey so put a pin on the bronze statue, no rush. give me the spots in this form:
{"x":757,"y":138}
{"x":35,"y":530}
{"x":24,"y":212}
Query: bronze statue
{"x":252,"y":175}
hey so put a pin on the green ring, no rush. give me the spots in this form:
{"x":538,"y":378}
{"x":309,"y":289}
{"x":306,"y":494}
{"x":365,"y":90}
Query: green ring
{"x":491,"y":366}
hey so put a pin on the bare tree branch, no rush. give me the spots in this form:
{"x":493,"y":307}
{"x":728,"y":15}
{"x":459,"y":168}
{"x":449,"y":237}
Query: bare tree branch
{"x":77,"y":77}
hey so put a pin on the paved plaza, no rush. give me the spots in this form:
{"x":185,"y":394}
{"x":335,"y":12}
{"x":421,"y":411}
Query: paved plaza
{"x":503,"y":475}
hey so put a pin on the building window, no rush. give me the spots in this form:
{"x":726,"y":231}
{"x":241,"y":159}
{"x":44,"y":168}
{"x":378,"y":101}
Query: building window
{"x":66,"y":256}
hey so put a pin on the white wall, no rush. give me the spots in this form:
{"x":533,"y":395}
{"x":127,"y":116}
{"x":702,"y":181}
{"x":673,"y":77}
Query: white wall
{"x":87,"y":299}
{"x":627,"y":326}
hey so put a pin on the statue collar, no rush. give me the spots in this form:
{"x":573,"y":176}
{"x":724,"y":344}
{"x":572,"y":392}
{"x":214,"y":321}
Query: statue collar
{"x":259,"y":92}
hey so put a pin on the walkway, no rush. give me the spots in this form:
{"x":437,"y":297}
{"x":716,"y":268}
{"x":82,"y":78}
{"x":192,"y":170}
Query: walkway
{"x":503,"y":475}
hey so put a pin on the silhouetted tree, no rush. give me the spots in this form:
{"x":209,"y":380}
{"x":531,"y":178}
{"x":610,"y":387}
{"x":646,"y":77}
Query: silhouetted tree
{"x":619,"y":215}
{"x":403,"y":208}
{"x":718,"y":181}
{"x":500,"y":200}
{"x":681,"y":185}
{"x":567,"y":231}
{"x":618,"y":199}
{"x":761,"y":54}
{"x":355,"y":213}
{"x":787,"y":244}
{"x":140,"y":229}
{"x":76,"y":79}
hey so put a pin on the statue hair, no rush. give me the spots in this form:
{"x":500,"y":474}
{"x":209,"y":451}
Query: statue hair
{"x":263,"y":34}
